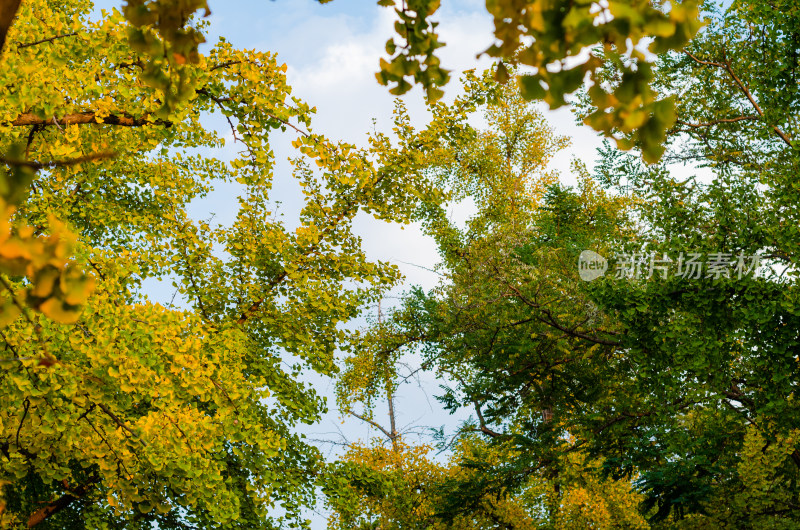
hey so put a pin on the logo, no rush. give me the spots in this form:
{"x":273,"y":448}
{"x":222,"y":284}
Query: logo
{"x":591,"y":265}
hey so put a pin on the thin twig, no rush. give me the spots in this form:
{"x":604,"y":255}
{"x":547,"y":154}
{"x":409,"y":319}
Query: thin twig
{"x":27,"y":405}
{"x":119,"y":422}
{"x":728,"y":68}
{"x":224,"y":65}
{"x":371,"y":422}
{"x":285,"y":122}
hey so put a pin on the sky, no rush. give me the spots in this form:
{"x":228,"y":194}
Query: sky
{"x":332,"y":52}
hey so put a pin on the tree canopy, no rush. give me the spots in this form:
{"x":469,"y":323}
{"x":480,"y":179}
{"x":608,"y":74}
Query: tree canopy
{"x":120,"y":411}
{"x":680,"y":384}
{"x":660,"y":394}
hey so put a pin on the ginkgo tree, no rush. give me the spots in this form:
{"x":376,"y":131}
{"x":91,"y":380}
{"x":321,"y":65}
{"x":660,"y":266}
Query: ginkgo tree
{"x":118,"y":411}
{"x":566,"y":44}
{"x":507,"y":327}
{"x":682,"y":383}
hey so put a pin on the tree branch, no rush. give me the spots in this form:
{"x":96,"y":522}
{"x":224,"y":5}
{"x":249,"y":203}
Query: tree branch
{"x":8,"y":10}
{"x":254,"y":307}
{"x":34,"y":43}
{"x":728,"y":68}
{"x":750,"y":97}
{"x":699,"y":61}
{"x":119,"y":423}
{"x":223,"y":65}
{"x":59,"y":504}
{"x":551,"y":321}
{"x":26,"y":405}
{"x":483,"y":427}
{"x":373,"y":423}
{"x":87,"y":117}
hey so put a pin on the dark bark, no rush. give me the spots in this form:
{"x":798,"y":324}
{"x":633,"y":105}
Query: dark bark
{"x":8,"y":10}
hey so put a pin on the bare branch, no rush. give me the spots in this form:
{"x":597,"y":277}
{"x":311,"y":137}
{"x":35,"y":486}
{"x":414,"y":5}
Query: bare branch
{"x":373,"y":423}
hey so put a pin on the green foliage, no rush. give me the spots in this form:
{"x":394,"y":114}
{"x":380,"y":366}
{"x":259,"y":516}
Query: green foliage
{"x":720,"y":351}
{"x":683,"y":387}
{"x":566,"y":44}
{"x":549,"y":36}
{"x":121,"y":412}
{"x":414,"y":55}
{"x":159,"y":30}
{"x":515,"y":359}
{"x":53,"y":284}
{"x":113,"y":408}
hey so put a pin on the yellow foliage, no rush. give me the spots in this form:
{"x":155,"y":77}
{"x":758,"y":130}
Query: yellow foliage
{"x":54,"y":286}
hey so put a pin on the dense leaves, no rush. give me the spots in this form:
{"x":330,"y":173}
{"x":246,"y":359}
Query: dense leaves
{"x":660,"y":378}
{"x":509,"y":327}
{"x":647,"y":397}
{"x":141,"y":413}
